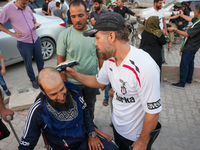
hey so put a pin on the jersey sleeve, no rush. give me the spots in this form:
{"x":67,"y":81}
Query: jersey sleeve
{"x":149,"y":92}
{"x":31,"y":131}
{"x":61,"y":44}
{"x":102,"y":76}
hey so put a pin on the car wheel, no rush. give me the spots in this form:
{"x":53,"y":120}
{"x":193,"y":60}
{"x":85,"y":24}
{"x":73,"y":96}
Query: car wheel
{"x":48,"y":48}
{"x":136,"y":5}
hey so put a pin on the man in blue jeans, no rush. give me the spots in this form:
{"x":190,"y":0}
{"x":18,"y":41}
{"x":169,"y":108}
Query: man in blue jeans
{"x":189,"y":47}
{"x":28,"y":42}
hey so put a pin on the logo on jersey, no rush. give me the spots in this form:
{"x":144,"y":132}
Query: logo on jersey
{"x":154,"y":105}
{"x":123,"y":88}
{"x":125,"y":99}
{"x":110,"y":69}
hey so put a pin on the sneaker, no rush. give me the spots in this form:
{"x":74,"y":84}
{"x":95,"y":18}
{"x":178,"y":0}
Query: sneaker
{"x":178,"y":85}
{"x":34,"y":84}
{"x":189,"y":82}
{"x":8,"y":93}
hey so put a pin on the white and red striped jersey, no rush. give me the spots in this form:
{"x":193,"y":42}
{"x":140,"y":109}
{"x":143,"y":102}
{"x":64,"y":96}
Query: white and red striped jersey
{"x":136,"y":86}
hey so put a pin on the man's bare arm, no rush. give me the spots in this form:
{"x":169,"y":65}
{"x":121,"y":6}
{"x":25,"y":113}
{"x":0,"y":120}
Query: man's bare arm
{"x":87,"y":80}
{"x":61,"y":59}
{"x":16,"y":34}
{"x":92,"y":21}
{"x":183,"y":33}
{"x":164,"y":25}
{"x":150,"y":122}
{"x":4,"y":111}
{"x":188,"y":18}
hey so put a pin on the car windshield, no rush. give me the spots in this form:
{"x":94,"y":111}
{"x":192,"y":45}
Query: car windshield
{"x":38,"y":3}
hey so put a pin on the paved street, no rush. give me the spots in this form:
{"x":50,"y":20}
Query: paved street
{"x":180,"y":117}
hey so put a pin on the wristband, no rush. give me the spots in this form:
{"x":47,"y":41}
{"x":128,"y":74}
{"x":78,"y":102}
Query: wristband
{"x":175,"y":30}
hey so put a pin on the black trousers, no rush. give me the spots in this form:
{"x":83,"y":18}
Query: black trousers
{"x":4,"y":132}
{"x":121,"y":141}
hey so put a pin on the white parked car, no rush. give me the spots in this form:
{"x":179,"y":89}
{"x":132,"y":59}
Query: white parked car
{"x":48,"y":32}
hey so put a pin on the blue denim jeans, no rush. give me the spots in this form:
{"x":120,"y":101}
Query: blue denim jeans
{"x":66,"y":20}
{"x":186,"y":66}
{"x":106,"y":96}
{"x":28,"y":50}
{"x":2,"y":82}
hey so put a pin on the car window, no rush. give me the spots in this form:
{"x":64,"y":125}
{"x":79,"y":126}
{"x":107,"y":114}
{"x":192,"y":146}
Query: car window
{"x":7,"y":25}
{"x":38,"y":3}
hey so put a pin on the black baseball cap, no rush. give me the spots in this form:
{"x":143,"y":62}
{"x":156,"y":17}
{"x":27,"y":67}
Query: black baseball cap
{"x":110,"y":21}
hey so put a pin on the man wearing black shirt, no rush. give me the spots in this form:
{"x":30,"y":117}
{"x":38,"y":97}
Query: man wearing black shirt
{"x":45,"y":7}
{"x":189,"y":47}
{"x":123,"y":9}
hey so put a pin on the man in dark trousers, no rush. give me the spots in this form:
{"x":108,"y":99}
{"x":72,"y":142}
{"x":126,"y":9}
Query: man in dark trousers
{"x":121,"y":9}
{"x":189,"y":47}
{"x":28,"y":41}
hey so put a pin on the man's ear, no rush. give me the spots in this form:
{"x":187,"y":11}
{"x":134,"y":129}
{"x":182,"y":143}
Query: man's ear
{"x":111,"y":37}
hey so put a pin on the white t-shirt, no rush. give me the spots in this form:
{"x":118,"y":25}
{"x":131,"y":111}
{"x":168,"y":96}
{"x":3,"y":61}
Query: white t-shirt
{"x":136,"y":86}
{"x":160,"y":14}
{"x":52,"y":6}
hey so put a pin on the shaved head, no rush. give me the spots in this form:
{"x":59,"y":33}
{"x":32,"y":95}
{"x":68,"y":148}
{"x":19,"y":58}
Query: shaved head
{"x":52,"y":85}
{"x":48,"y":76}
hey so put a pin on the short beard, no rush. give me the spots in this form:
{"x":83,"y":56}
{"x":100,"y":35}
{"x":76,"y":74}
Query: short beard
{"x":59,"y":106}
{"x":107,"y":48}
{"x":97,"y":8}
{"x":158,"y":7}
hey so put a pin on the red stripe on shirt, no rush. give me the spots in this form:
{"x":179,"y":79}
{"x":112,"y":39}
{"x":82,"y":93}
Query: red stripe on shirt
{"x":128,"y":67}
{"x":111,"y":60}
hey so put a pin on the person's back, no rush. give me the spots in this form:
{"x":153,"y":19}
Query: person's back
{"x":52,"y":7}
{"x":58,"y":13}
{"x":45,"y":8}
{"x":64,"y":8}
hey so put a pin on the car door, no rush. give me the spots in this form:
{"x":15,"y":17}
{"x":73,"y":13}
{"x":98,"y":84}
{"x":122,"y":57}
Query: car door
{"x":8,"y":46}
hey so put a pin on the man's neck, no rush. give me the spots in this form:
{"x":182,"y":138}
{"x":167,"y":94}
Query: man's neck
{"x":122,"y":50}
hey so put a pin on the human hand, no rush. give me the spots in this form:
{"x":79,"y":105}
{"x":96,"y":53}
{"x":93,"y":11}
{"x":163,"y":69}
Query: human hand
{"x":111,"y":93}
{"x":138,"y":145}
{"x":170,"y":29}
{"x":165,"y":32}
{"x":6,"y":112}
{"x":3,"y":72}
{"x":16,"y":34}
{"x":181,"y":13}
{"x":37,"y":25}
{"x":180,"y":23}
{"x":94,"y":143}
{"x":70,"y":71}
